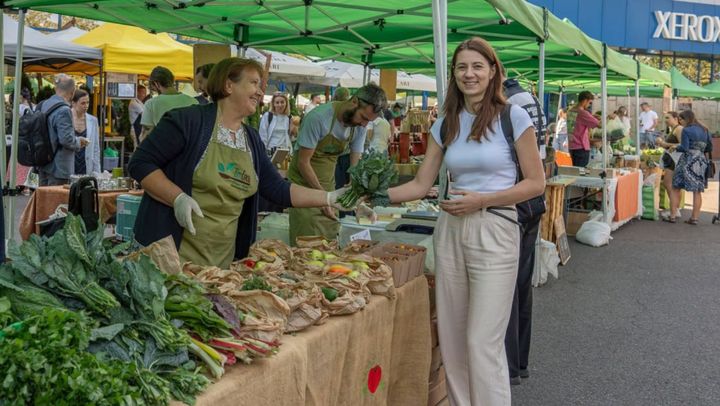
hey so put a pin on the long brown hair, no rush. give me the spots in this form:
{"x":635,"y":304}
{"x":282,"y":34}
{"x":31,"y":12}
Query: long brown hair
{"x":491,"y":105}
{"x":690,"y":119}
{"x":286,"y":111}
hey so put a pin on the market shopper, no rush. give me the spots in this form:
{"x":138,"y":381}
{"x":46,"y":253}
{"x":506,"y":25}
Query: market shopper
{"x":135,"y":111}
{"x":622,"y":114}
{"x":648,"y":124}
{"x":517,"y":337}
{"x":62,"y":134}
{"x":202,"y":73}
{"x":315,"y":101}
{"x":559,"y":129}
{"x":325,"y":133}
{"x":579,"y":124}
{"x":276,"y":125}
{"x":87,"y":159}
{"x":378,"y":135}
{"x":692,"y":167}
{"x":477,"y":237}
{"x":670,"y":143}
{"x":162,"y":81}
{"x":203,"y":172}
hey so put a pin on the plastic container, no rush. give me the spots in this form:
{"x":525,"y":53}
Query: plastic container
{"x":127,"y":209}
{"x":110,"y":163}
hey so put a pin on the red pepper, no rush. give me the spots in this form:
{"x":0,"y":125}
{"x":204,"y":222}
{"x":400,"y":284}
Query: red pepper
{"x":249,"y":263}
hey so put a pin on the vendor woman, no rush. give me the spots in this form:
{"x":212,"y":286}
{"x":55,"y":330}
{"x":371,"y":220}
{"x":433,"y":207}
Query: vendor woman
{"x":203,"y":172}
{"x":326,"y":133}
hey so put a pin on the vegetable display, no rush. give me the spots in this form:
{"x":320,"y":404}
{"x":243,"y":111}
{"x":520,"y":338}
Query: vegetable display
{"x":371,"y":177}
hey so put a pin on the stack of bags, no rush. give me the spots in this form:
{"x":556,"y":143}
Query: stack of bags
{"x":437,"y":395}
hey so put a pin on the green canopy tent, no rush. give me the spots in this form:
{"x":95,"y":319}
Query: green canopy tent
{"x":684,"y":87}
{"x":407,"y":34}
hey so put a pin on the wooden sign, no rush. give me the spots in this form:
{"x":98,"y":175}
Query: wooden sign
{"x":561,"y":240}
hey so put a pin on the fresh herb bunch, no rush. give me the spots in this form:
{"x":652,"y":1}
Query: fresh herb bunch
{"x":45,"y":362}
{"x":372,"y":177}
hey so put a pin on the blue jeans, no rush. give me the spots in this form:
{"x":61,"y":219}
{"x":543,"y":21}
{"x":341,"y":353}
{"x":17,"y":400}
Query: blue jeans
{"x":648,"y":138}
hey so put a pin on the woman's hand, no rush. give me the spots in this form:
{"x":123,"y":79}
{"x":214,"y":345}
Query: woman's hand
{"x":469,"y":203}
{"x":185,"y":206}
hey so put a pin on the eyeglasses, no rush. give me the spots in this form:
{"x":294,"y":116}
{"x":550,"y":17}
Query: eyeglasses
{"x":376,"y":109}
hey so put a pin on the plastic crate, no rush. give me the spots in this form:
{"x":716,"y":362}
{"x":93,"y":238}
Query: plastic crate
{"x":127,"y":209}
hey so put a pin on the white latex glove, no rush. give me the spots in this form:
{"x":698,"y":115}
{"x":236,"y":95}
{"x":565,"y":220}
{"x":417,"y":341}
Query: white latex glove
{"x":184,"y":206}
{"x":362,"y":210}
{"x":333,"y":196}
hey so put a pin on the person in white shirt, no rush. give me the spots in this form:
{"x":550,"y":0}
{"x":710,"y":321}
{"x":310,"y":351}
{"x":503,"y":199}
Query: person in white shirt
{"x":276,"y":125}
{"x":315,"y":101}
{"x":477,"y":236}
{"x":378,"y":134}
{"x":135,"y":110}
{"x":648,"y":123}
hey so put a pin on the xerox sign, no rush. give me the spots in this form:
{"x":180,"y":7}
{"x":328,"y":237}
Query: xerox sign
{"x":687,"y":27}
{"x":682,"y":26}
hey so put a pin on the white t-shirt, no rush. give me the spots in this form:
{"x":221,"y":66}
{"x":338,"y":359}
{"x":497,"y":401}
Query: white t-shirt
{"x":381,"y":134}
{"x":647,"y":119}
{"x":485,"y":166}
{"x":135,"y":108}
{"x":316,"y":125}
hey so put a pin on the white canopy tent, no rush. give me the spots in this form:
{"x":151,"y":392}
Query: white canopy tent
{"x":351,"y":75}
{"x":287,"y":68}
{"x":42,"y":49}
{"x":68,"y":34}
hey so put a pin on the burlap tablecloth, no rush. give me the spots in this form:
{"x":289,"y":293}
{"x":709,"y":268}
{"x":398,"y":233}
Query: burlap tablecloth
{"x":46,"y":199}
{"x":331,"y":364}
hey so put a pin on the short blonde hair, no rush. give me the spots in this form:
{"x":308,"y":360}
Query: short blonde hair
{"x":232,"y":69}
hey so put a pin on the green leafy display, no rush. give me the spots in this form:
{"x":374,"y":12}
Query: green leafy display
{"x":371,"y":177}
{"x":186,"y":302}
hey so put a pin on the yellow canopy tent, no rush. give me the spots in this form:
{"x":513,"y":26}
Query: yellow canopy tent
{"x":133,"y":50}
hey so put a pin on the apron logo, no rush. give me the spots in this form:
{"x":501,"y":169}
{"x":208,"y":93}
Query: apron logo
{"x":234,"y":173}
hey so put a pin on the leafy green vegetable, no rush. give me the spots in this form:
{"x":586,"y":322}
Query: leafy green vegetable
{"x":256,"y":283}
{"x":186,"y":302}
{"x":44,"y":362}
{"x":372,"y":177}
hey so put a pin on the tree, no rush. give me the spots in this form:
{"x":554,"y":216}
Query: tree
{"x":687,"y":66}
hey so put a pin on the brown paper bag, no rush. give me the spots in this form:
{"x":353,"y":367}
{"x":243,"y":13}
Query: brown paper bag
{"x":163,"y":253}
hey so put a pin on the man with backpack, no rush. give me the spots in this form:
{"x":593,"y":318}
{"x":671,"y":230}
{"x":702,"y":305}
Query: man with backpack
{"x":61,"y":134}
{"x":517,"y":337}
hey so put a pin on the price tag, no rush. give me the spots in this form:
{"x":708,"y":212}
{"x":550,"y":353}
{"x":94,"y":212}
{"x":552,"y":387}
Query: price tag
{"x":362,"y":235}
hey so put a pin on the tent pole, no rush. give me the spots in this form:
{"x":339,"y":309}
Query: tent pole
{"x":3,"y":156}
{"x":439,"y":16}
{"x":637,"y":117}
{"x":16,"y":117}
{"x":557,"y":116}
{"x":603,"y":94}
{"x":541,"y":96}
{"x":541,"y":75}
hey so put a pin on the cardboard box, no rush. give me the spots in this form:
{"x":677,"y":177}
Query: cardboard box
{"x":574,"y":221}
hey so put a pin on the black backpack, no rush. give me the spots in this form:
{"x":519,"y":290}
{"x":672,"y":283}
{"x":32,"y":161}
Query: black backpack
{"x":84,"y":202}
{"x":34,"y":145}
{"x":528,"y":210}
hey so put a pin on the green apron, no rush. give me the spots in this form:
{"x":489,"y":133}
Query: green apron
{"x":311,"y":222}
{"x":221,"y":183}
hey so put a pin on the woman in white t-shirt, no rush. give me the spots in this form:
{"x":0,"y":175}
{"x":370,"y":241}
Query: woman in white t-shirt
{"x":477,"y":236}
{"x":276,"y":124}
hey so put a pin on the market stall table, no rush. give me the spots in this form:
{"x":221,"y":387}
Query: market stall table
{"x":377,"y":356}
{"x":624,"y":198}
{"x":45,"y":200}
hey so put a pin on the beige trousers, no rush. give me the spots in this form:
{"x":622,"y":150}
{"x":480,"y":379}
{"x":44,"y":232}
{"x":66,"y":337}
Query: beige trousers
{"x":476,"y":262}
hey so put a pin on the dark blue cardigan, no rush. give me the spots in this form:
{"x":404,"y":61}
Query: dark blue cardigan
{"x":176,"y":146}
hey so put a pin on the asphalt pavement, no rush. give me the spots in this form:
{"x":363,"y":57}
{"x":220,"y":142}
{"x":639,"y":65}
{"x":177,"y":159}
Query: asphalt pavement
{"x":632,"y":323}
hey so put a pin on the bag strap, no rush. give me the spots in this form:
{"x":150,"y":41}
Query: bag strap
{"x":55,"y":107}
{"x":270,"y":117}
{"x":507,"y":129}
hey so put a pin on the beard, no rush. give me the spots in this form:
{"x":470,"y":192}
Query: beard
{"x":348,"y":117}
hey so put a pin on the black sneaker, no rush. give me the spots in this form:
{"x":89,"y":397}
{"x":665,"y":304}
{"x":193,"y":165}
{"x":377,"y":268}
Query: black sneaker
{"x":515,"y":380}
{"x":524,"y":373}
